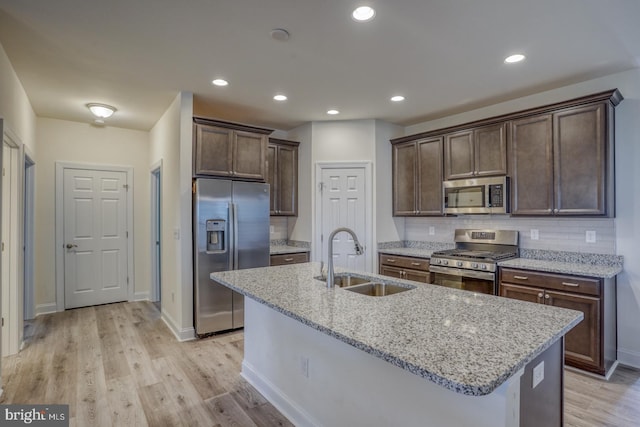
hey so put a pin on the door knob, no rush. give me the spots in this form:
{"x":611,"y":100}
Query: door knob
{"x":70,"y":246}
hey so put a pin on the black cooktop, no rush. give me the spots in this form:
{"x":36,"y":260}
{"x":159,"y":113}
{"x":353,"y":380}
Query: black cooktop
{"x":476,"y":254}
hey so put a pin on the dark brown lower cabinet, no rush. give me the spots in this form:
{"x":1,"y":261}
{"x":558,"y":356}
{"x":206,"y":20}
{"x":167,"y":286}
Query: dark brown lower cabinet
{"x":294,"y":258}
{"x":591,"y":345}
{"x":403,"y":267}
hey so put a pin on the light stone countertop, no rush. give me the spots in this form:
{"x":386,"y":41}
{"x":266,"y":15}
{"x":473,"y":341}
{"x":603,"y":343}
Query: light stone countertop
{"x":415,"y":252}
{"x":286,"y":249}
{"x":579,"y":269}
{"x":466,"y":342}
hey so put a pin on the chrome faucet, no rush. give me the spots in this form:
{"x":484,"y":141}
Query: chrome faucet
{"x":358,"y":248}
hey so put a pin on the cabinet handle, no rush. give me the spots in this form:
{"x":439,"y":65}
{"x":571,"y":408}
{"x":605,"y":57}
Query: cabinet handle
{"x":416,"y":263}
{"x":521,"y":277}
{"x":573,"y":285}
{"x":403,"y":273}
{"x":288,"y":259}
{"x":546,"y":296}
{"x":555,"y":211}
{"x":391,"y":260}
{"x":539,"y":296}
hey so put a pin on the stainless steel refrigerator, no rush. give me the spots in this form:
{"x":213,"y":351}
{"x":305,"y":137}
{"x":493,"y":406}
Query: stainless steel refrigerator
{"x":230,"y":232}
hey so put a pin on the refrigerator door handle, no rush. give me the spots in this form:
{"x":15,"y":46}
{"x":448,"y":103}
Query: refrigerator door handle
{"x":232,"y":240}
{"x":234,"y":233}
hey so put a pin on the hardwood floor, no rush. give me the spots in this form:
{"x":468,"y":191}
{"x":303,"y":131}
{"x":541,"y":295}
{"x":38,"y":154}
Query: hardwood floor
{"x":118,"y":364}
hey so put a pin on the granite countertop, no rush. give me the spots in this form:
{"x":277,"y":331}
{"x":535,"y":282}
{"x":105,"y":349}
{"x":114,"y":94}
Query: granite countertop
{"x":466,"y":342}
{"x":581,"y":269}
{"x":415,"y":252}
{"x":286,"y":249}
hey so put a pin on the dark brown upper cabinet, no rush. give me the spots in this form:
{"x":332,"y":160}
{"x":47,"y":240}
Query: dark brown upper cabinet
{"x":417,"y":177}
{"x":229,"y":150}
{"x":561,"y":163}
{"x":282,"y":175}
{"x":476,"y":152}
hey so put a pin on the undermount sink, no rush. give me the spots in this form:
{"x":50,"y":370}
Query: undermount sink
{"x":344,"y":280}
{"x":378,"y":289}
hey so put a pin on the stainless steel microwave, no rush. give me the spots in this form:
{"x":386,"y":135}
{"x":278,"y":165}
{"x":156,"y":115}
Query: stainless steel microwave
{"x":477,"y":195}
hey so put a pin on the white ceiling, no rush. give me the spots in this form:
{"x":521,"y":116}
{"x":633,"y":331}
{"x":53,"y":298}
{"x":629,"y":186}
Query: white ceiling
{"x":445,"y":56}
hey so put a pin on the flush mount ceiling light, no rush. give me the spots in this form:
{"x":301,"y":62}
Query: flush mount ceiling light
{"x":514,"y":58}
{"x":280,"y":34}
{"x":333,"y":112}
{"x":280,"y":97}
{"x":397,"y":98}
{"x":101,"y":111}
{"x":363,"y":13}
{"x":220,"y":82}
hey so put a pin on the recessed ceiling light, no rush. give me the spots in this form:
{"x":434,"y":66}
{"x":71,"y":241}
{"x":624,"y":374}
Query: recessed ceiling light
{"x":280,"y":97}
{"x":397,"y":98}
{"x":333,"y":112}
{"x":280,"y":34}
{"x":363,"y":14}
{"x":220,"y":82}
{"x":101,"y":111}
{"x":514,"y":58}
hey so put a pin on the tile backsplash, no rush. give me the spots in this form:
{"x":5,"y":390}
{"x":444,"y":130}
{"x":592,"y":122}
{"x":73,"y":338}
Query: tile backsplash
{"x":557,"y":234}
{"x":279,"y":229}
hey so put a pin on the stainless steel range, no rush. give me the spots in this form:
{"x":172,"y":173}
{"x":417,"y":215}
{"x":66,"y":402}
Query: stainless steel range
{"x":472,"y":265}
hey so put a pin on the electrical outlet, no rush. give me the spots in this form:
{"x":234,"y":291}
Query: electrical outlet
{"x":590,"y":236}
{"x":538,"y":374}
{"x":176,"y":234}
{"x":304,"y":366}
{"x":432,"y":230}
{"x":534,"y":234}
{"x":272,"y":229}
{"x":173,"y":297}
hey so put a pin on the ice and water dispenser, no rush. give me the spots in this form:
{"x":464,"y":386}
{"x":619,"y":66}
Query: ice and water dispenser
{"x":216,"y":230}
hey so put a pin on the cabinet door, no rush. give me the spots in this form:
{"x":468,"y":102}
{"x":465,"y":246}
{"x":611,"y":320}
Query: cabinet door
{"x":580,"y":160}
{"x":417,"y":276}
{"x":531,"y":166}
{"x":404,"y":179}
{"x":213,"y":151}
{"x":490,"y":150}
{"x":458,"y":155}
{"x":522,"y":293}
{"x":272,"y":173}
{"x":429,"y":176}
{"x":391,"y":272}
{"x":287,"y":161}
{"x":249,"y":155}
{"x":582,"y":343}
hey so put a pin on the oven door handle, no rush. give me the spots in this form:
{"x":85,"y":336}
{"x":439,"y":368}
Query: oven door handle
{"x":462,"y":273}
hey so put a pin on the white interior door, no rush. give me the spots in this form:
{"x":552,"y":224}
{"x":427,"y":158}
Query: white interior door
{"x":95,"y":237}
{"x":343,"y":205}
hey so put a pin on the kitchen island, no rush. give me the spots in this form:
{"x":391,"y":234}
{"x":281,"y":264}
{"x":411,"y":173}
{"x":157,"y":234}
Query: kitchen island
{"x":428,"y":356}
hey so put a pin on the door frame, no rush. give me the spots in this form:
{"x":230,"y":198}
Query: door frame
{"x":59,"y":214}
{"x":14,"y":319}
{"x":29,"y":233}
{"x":370,"y":251}
{"x":156,"y":224}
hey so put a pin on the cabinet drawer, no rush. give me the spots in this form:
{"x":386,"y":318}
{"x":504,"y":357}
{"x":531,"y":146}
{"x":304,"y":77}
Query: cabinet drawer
{"x":405,"y":262}
{"x":289,"y":258}
{"x":583,"y":285}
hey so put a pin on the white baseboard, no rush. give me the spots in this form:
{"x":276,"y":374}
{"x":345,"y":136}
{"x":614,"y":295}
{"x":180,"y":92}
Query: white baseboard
{"x":141,"y":296}
{"x":629,"y":358}
{"x":294,"y":413}
{"x":182,"y":334}
{"x":46,"y":308}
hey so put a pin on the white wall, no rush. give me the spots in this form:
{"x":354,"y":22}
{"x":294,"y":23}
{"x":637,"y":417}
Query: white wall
{"x":167,"y":140}
{"x":349,"y":140}
{"x":627,"y":222}
{"x":15,"y":108}
{"x":64,"y":141}
{"x":301,"y":226}
{"x":388,"y":228}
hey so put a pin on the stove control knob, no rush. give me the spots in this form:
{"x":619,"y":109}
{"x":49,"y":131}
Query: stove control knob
{"x":459,"y":263}
{"x":474,"y":265}
{"x":484,"y":266}
{"x":445,"y":262}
